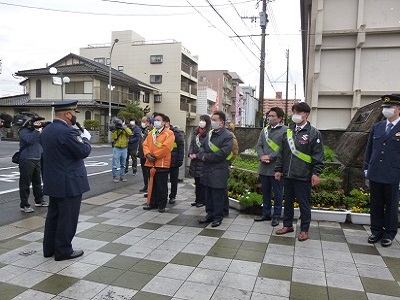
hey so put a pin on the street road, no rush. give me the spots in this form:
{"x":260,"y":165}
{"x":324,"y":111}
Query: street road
{"x":98,"y":166}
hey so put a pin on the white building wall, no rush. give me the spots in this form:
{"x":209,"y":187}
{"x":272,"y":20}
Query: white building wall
{"x":249,"y":107}
{"x":133,"y":54}
{"x":351,"y":56}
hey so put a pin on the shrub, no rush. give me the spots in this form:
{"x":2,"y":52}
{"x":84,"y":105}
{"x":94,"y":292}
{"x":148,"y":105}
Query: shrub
{"x":250,"y":199}
{"x":329,"y":154}
{"x":327,"y":199}
{"x":91,"y":124}
{"x":248,"y":164}
{"x":358,"y":201}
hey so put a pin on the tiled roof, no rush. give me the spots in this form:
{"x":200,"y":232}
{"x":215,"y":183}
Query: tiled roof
{"x":23,"y":101}
{"x":86,"y":66}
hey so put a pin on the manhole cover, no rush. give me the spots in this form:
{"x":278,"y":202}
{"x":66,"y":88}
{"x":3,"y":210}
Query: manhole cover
{"x":27,"y":252}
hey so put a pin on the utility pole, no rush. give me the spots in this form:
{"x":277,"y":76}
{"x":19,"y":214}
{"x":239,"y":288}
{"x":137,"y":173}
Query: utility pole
{"x":287,"y":86}
{"x":263,"y":24}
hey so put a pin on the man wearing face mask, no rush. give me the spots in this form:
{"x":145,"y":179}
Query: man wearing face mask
{"x":300,"y":162}
{"x":157,"y":150}
{"x":133,"y":145}
{"x":216,"y":153}
{"x":381,"y":167}
{"x":64,"y":180}
{"x":268,"y":145}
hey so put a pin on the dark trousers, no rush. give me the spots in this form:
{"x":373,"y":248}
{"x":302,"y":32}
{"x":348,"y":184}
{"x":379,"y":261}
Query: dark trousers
{"x":215,"y":203}
{"x":199,"y":191}
{"x":30,"y":172}
{"x":269,"y":184}
{"x":159,"y":193}
{"x":133,"y":155}
{"x":145,"y":172}
{"x":226,"y":203}
{"x":300,"y":191}
{"x":384,"y":209}
{"x":173,"y":177}
{"x":60,"y":226}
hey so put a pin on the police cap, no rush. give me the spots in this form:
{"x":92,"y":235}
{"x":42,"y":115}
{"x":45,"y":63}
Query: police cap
{"x":390,"y":100}
{"x":66,"y":105}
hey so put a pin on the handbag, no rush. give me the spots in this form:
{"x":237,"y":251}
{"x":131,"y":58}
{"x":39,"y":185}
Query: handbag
{"x":15,"y":158}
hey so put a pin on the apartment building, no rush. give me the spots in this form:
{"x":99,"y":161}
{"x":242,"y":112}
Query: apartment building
{"x":350,"y":56}
{"x":166,"y":65}
{"x":227,"y":86}
{"x":206,"y":98}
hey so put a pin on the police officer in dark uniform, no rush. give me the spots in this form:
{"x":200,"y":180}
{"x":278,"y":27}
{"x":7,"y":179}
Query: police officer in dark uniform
{"x":382,"y":168}
{"x":64,"y":179}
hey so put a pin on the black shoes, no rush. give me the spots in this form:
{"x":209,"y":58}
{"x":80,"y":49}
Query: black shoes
{"x":275,"y":222}
{"x":215,"y":223}
{"x":385,"y":242}
{"x":374,"y":238}
{"x":171,"y":201}
{"x":74,"y":254}
{"x":147,"y":207}
{"x":161,"y":210}
{"x":145,"y":195}
{"x":143,"y":189}
{"x":205,"y":220}
{"x":193,"y":203}
{"x":262,"y":218}
{"x":199,"y":204}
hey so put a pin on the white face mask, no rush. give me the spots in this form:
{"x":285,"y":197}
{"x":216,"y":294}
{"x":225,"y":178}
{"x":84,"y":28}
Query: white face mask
{"x":132,"y":123}
{"x":388,"y":112}
{"x":297,"y":119}
{"x":215,"y":125}
{"x":157,"y":124}
{"x":143,"y":125}
{"x":202,"y":124}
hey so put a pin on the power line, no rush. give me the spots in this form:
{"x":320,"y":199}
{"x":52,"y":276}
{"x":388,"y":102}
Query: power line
{"x":171,"y":6}
{"x":93,"y":13}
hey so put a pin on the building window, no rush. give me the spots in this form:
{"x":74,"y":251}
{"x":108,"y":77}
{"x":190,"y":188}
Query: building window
{"x":121,"y":68}
{"x":38,"y":88}
{"x":88,"y":115}
{"x":203,"y":79}
{"x":108,"y":61}
{"x":155,"y":78}
{"x":100,"y":60}
{"x":74,"y":88}
{"x":156,"y":59}
{"x":146,"y":98}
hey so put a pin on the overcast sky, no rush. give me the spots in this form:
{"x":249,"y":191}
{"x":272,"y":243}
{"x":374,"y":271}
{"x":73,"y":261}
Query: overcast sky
{"x":38,"y":32}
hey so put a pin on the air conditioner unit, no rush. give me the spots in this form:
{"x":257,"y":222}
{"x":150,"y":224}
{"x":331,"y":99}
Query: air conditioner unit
{"x":192,"y":116}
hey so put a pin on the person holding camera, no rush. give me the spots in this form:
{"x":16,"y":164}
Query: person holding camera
{"x":133,"y":145}
{"x":30,"y":155}
{"x":120,"y":134}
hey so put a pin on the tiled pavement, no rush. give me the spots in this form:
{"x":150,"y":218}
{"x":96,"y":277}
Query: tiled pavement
{"x":135,"y":254}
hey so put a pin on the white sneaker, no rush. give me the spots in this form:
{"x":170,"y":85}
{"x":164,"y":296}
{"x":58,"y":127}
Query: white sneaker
{"x":43,"y":203}
{"x":27,"y":209}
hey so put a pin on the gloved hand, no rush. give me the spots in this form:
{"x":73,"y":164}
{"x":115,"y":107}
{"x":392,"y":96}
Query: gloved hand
{"x":86,"y":134}
{"x":150,"y":157}
{"x":365,"y":173}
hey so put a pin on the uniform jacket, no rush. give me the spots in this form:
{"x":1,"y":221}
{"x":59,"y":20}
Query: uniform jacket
{"x":177,"y":152}
{"x":382,"y":156}
{"x":276,"y":135}
{"x":64,"y":172}
{"x":307,"y":140}
{"x":196,"y":165}
{"x":121,"y":137}
{"x":215,"y":171}
{"x":162,"y":153}
{"x":29,"y":146}
{"x":135,"y":138}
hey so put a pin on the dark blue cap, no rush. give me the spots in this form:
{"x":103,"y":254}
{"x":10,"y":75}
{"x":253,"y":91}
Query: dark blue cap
{"x":66,"y":105}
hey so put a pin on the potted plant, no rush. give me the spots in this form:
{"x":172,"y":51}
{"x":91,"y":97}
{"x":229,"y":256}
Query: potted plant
{"x":358,"y":203}
{"x":93,"y":126}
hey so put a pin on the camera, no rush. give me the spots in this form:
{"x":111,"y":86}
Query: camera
{"x":116,"y":123}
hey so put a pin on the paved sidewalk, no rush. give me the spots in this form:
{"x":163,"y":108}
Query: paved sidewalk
{"x":135,"y":254}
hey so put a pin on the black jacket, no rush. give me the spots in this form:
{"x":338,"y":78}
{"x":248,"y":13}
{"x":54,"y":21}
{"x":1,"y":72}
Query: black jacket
{"x":308,"y":140}
{"x":178,"y":150}
{"x":196,"y":165}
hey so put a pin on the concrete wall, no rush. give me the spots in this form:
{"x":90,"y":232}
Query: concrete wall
{"x":350,"y":56}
